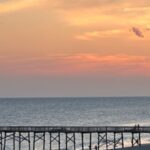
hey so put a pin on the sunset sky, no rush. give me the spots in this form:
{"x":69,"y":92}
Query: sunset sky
{"x":74,"y":48}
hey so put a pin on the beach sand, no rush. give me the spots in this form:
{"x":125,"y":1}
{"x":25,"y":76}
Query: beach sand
{"x":143,"y":147}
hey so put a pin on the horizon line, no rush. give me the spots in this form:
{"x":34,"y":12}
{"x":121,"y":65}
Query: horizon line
{"x":76,"y":97}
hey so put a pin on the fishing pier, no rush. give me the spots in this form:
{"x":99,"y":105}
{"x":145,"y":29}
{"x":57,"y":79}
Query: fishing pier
{"x":69,"y":137}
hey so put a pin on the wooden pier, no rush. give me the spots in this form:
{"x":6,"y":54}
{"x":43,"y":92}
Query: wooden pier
{"x":69,"y":137}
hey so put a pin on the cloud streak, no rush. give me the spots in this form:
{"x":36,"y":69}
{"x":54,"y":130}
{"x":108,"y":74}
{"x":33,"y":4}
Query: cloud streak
{"x":99,"y":34}
{"x":78,"y":64}
{"x":16,"y":5}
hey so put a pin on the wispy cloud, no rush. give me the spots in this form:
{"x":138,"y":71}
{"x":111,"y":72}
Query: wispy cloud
{"x":15,"y":5}
{"x":99,"y":34}
{"x":147,"y":29}
{"x":136,"y":9}
{"x":77,"y":64}
{"x":73,"y":4}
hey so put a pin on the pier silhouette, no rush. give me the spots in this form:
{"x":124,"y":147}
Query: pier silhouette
{"x":69,"y":135}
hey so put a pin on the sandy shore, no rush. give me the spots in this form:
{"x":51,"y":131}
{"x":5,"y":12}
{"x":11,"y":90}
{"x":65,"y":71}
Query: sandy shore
{"x":143,"y":147}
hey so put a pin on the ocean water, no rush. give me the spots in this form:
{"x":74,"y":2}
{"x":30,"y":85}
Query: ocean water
{"x":104,"y":111}
{"x":75,"y":111}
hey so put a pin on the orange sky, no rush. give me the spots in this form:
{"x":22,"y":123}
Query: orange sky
{"x":73,"y":38}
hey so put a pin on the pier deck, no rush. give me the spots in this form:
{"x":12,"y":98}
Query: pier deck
{"x":76,"y":129}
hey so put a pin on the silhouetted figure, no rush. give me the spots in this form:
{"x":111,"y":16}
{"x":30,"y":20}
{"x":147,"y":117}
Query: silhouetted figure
{"x":95,"y":147}
{"x":137,"y":141}
{"x":138,"y":126}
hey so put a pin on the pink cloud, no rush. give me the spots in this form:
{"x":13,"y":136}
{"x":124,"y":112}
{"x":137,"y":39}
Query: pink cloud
{"x":78,"y":64}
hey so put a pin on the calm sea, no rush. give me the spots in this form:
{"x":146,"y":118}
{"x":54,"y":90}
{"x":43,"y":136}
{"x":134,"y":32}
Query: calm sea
{"x":75,"y":111}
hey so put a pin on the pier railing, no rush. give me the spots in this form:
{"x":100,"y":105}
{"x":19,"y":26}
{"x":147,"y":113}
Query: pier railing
{"x":69,"y":137}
